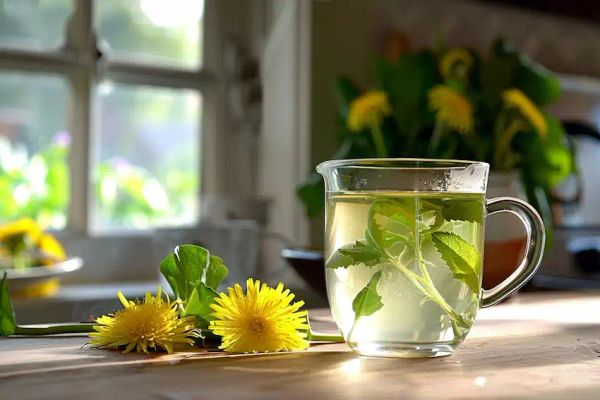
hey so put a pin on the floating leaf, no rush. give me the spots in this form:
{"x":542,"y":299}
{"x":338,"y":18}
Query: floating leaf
{"x":464,"y":211}
{"x":463,"y":259}
{"x":358,"y":253}
{"x":368,"y":301}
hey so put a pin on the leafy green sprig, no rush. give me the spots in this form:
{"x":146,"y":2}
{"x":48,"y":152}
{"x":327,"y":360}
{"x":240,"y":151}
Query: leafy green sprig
{"x":397,"y":230}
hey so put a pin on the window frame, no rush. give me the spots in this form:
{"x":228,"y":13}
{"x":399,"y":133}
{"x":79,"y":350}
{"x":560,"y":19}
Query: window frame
{"x":82,"y":66}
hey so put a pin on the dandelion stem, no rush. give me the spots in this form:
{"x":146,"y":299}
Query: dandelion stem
{"x":53,"y":329}
{"x":378,"y":140}
{"x":325,"y":337}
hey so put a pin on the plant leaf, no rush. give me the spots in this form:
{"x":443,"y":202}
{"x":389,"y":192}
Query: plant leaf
{"x":216,"y":272}
{"x":199,"y":303}
{"x":189,"y":266}
{"x":7,"y":316}
{"x":407,"y":82}
{"x":357,"y":253}
{"x":463,"y":259}
{"x":368,"y":301}
{"x":390,"y":221}
{"x":345,"y":92}
{"x":459,"y":211}
{"x":169,"y":269}
{"x":192,"y":262}
{"x":311,"y":193}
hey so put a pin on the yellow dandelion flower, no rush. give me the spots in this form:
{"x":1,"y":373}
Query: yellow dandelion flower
{"x":51,"y":249}
{"x":153,"y":324}
{"x":262,"y":320}
{"x":516,"y":99}
{"x":456,"y":63}
{"x":451,"y":108}
{"x":21,"y":227}
{"x":368,"y":110}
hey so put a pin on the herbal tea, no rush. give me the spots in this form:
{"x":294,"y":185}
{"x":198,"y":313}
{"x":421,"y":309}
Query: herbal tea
{"x":404,"y":267}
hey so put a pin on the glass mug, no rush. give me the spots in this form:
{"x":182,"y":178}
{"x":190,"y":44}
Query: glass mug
{"x":404,"y":252}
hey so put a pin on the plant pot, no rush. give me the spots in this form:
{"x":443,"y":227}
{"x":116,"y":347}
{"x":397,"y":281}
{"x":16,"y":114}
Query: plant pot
{"x":505,"y":239}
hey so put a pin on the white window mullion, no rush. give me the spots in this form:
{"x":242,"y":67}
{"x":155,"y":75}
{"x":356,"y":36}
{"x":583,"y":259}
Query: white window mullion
{"x":81,"y":43}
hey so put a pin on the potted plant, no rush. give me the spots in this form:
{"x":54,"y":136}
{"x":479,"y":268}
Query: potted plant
{"x":456,"y":103}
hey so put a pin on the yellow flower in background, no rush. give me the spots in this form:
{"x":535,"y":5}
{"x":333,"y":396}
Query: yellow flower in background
{"x":153,"y":324}
{"x":456,"y":63}
{"x":262,"y":320}
{"x":451,"y":108}
{"x":24,"y":227}
{"x":24,"y":239}
{"x":368,"y":110}
{"x":516,"y":99}
{"x":51,"y":249}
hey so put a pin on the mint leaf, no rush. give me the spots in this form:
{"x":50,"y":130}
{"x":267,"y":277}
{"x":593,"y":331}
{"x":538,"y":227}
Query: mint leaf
{"x":216,"y":272}
{"x":463,"y":259}
{"x":390,"y":223}
{"x":367,"y":301}
{"x":358,"y":253}
{"x":466,"y":211}
{"x":472,"y":211}
{"x":7,"y":316}
{"x":198,"y":304}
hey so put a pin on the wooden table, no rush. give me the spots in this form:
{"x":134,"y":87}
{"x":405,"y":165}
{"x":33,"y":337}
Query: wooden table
{"x":543,"y":346}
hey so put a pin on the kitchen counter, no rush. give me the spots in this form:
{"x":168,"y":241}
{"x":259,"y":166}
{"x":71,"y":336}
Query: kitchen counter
{"x":538,"y":345}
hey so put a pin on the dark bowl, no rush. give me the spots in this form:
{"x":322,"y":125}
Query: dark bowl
{"x":309,"y":264}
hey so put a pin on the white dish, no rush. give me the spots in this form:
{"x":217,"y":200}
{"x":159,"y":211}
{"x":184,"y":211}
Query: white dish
{"x":38,"y":273}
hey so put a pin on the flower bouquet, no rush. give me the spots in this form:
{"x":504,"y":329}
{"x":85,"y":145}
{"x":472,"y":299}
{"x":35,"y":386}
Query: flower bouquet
{"x":456,"y":103}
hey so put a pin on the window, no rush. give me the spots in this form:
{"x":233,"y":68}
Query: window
{"x":101,"y":112}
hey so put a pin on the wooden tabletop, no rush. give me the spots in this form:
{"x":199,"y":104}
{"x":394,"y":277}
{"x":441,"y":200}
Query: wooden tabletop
{"x":542,"y":346}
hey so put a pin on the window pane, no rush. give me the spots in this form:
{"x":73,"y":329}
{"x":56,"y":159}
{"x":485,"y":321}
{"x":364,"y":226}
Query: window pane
{"x":152,"y":31}
{"x":34,"y":24}
{"x":34,"y":144}
{"x":146,"y":157}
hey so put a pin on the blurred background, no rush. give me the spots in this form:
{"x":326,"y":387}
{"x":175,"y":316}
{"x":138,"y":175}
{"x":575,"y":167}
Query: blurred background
{"x":127,"y":127}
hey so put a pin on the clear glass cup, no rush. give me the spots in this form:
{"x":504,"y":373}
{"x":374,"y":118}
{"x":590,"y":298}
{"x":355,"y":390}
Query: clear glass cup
{"x":404,"y":252}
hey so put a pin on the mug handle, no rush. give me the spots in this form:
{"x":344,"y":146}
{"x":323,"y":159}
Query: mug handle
{"x":536,"y":239}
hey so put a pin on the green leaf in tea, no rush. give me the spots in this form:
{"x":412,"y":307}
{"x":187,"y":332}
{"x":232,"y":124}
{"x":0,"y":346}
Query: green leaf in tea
{"x":7,"y":316}
{"x":471,"y":211}
{"x":358,"y":253}
{"x":368,"y":301}
{"x":463,"y":259}
{"x":390,"y":222}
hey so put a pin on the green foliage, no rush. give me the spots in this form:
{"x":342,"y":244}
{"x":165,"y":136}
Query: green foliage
{"x":407,"y":83}
{"x":8,"y":324}
{"x":543,"y":160}
{"x":194,"y":275}
{"x":130,"y":195}
{"x":398,"y":231}
{"x":36,"y":186}
{"x":368,"y":301}
{"x":463,"y":259}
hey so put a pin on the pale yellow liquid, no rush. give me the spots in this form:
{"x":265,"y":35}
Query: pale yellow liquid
{"x":407,"y":315}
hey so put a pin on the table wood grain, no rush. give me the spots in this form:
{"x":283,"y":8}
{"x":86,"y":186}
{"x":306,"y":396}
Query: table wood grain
{"x":542,"y":346}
